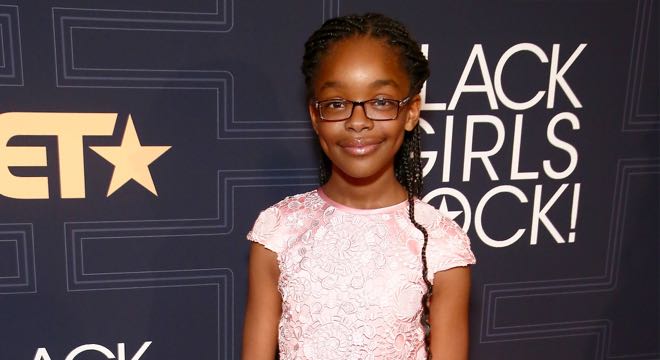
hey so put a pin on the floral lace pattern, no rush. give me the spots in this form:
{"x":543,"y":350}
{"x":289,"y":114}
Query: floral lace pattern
{"x":351,"y":279}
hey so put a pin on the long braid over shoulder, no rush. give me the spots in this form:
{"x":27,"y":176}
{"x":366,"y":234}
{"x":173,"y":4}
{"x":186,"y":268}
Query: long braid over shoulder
{"x":408,"y":169}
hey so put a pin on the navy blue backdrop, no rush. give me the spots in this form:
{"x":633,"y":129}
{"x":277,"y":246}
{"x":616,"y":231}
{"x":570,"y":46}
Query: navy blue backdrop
{"x":140,"y":139}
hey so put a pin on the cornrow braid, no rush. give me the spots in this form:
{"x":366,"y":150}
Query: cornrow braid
{"x":408,"y":169}
{"x":324,"y":168}
{"x":407,"y":164}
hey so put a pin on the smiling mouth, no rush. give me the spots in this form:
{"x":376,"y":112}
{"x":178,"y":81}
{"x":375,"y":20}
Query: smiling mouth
{"x":360,"y":146}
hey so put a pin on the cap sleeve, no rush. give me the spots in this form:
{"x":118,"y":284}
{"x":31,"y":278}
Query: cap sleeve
{"x":266,"y":230}
{"x":448,"y":247}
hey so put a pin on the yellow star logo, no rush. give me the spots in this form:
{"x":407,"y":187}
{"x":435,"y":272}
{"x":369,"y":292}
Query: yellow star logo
{"x":131,"y":160}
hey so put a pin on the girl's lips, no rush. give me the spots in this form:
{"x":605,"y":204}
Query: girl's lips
{"x":360,"y":146}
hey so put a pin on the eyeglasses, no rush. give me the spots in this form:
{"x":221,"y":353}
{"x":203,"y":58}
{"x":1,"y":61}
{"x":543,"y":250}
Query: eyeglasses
{"x":374,"y":109}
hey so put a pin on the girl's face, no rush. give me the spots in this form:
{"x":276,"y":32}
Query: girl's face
{"x":362,"y":68}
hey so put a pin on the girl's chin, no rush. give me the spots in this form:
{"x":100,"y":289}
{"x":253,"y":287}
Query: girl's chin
{"x":361,"y":175}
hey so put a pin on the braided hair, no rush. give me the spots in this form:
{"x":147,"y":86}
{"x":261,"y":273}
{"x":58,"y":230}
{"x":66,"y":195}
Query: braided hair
{"x":407,"y":164}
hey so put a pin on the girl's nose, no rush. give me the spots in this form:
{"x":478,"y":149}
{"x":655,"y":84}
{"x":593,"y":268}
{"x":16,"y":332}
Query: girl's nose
{"x":358,"y":120}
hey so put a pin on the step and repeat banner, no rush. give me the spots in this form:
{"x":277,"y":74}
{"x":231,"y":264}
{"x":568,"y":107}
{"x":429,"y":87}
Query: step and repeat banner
{"x":140,"y":139}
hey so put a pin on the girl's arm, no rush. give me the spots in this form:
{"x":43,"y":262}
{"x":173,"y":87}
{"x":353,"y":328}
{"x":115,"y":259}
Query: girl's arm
{"x":264,"y":305}
{"x":449,"y":314}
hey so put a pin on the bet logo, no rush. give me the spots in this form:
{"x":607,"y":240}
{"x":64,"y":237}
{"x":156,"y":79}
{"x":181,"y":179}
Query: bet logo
{"x":130,"y":159}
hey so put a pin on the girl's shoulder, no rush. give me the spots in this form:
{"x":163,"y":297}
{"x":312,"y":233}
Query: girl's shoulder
{"x":432,"y":218}
{"x":285,"y":219}
{"x":303,"y":202}
{"x":448,"y":246}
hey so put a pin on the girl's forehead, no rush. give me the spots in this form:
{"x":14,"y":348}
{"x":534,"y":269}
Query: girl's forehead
{"x":361,"y":59}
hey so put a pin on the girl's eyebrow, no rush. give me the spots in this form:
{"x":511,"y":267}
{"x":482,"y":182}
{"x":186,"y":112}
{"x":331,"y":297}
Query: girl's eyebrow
{"x":383,"y":83}
{"x":331,"y":84}
{"x":374,"y":85}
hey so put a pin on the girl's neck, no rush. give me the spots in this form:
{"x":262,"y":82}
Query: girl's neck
{"x":368,"y":193}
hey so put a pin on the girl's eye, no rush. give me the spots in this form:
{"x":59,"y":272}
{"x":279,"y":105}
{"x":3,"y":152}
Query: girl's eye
{"x":383,"y":103}
{"x":334,"y":105}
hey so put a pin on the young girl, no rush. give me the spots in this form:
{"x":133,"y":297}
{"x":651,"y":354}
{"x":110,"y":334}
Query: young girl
{"x":346,"y":271}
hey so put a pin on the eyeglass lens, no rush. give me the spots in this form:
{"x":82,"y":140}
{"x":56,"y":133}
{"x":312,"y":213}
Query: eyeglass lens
{"x":375,"y":109}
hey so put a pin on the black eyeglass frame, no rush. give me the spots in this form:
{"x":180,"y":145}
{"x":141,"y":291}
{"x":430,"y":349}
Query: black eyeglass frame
{"x":400,"y":103}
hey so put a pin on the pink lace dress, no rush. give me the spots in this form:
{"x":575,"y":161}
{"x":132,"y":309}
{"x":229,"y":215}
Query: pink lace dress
{"x":351,"y":279}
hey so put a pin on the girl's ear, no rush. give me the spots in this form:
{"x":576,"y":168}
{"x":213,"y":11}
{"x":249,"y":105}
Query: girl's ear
{"x":313,"y":115}
{"x":412,"y":113}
